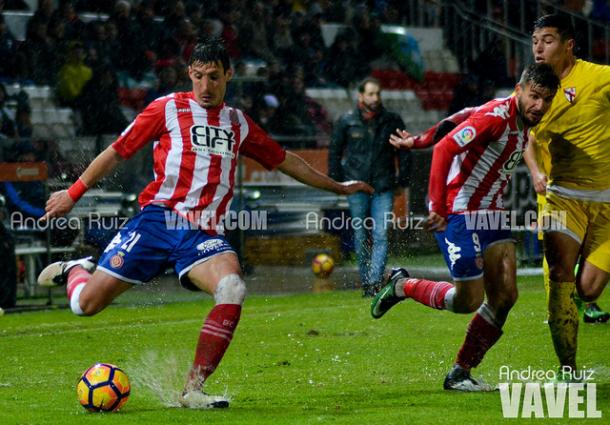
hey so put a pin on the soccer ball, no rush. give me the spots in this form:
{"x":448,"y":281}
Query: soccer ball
{"x":322,"y":265}
{"x":103,"y":388}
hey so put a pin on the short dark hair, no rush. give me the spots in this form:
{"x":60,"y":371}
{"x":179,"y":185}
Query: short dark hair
{"x":363,"y":83}
{"x":211,"y":50}
{"x":562,"y":23}
{"x":540,"y":74}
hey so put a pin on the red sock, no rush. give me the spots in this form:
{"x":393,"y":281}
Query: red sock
{"x":214,"y":339}
{"x":480,"y":337}
{"x":76,"y":276}
{"x":427,"y":292}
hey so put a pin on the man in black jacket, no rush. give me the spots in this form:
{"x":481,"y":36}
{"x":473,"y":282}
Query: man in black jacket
{"x":359,"y":150}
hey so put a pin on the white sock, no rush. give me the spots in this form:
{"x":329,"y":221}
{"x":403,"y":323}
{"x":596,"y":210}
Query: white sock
{"x":399,"y":288}
{"x":449,"y":297}
{"x":75,"y":300}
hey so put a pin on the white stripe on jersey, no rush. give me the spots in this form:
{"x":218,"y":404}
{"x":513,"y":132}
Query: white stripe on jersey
{"x":483,"y":165}
{"x":225,"y":171}
{"x":456,"y":166}
{"x":202,"y":165}
{"x":174,"y":156}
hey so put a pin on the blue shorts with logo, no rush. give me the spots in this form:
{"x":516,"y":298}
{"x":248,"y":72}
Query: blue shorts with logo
{"x":463,"y":246}
{"x":147,"y":245}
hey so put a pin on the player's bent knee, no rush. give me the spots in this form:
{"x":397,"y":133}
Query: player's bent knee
{"x":90,"y":307}
{"x":561,"y":273}
{"x":231,"y":289}
{"x":589,"y":293}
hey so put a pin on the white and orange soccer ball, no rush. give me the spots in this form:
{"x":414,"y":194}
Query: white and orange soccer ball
{"x":322,"y":265}
{"x":103,"y":388}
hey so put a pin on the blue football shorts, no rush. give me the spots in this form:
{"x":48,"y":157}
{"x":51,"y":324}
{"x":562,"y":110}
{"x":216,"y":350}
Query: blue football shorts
{"x":463,"y":246}
{"x":148,"y":244}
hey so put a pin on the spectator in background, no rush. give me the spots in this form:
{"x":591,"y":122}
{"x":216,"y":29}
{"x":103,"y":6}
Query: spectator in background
{"x":28,"y":197}
{"x":44,"y":11}
{"x":282,"y":41}
{"x":23,"y":120}
{"x":344,"y":66}
{"x":491,"y":63}
{"x":99,"y":104}
{"x":177,"y":14}
{"x":295,"y":115}
{"x":73,"y":75}
{"x":35,"y":57}
{"x":368,"y":31}
{"x":110,"y":44}
{"x":8,"y":49}
{"x":194,"y":11}
{"x":132,"y":58}
{"x":465,"y":94}
{"x":168,"y":78}
{"x":253,"y":33}
{"x":98,"y":50}
{"x":359,"y":150}
{"x":74,"y":27}
{"x":8,"y":263}
{"x":265,"y":113}
{"x":7,"y":118}
{"x":186,"y":38}
{"x":229,"y":16}
{"x":57,"y":40}
{"x":150,"y":30}
{"x":313,"y":25}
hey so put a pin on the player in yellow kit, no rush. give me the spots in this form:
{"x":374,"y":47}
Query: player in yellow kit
{"x":577,"y":130}
{"x":538,"y":161}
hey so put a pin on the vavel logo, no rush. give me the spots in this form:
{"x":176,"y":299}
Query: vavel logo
{"x":553,"y":399}
{"x":213,"y":140}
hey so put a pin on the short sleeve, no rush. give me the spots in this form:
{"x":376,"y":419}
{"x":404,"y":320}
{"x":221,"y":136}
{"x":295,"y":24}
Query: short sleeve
{"x":149,"y":125}
{"x":262,"y":148}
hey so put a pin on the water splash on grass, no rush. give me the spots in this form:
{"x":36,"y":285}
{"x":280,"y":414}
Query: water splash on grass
{"x":161,"y":376}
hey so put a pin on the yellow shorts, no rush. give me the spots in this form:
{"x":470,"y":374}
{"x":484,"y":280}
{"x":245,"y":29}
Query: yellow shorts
{"x":587,"y":222}
{"x":541,"y":201}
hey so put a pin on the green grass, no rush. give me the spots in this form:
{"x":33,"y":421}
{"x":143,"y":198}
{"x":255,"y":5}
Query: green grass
{"x":299,"y":359}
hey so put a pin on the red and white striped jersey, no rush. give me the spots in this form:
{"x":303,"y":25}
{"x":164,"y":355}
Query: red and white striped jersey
{"x":473,"y":163}
{"x":195,"y":154}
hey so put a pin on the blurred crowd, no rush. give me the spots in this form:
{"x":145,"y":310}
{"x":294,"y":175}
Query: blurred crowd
{"x":145,"y":44}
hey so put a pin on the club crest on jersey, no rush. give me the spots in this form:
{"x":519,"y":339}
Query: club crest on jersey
{"x":212,"y":140}
{"x":117,"y":261}
{"x":570,"y":94}
{"x":465,"y":136}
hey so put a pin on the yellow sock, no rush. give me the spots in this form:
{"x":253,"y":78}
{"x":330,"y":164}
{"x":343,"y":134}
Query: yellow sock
{"x":563,"y":321}
{"x":546,"y":277}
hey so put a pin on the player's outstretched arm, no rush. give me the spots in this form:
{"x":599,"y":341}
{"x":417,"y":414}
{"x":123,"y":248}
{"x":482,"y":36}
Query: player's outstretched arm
{"x":61,"y":203}
{"x":296,"y":167}
{"x":402,"y":139}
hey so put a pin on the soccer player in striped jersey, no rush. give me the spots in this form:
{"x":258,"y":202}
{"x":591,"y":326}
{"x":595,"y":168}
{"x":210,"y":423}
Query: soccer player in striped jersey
{"x":577,"y":132}
{"x":471,"y":166}
{"x":197,"y":139}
